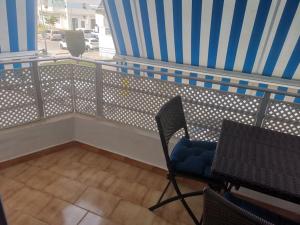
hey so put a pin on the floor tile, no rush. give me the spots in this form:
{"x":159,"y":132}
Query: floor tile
{"x":28,"y":200}
{"x":123,"y":170}
{"x":14,"y":171}
{"x":93,"y":177}
{"x":59,"y":212}
{"x":128,"y":213}
{"x":70,"y":170}
{"x":92,"y":219}
{"x":159,"y":221}
{"x":8,"y":187}
{"x":93,"y":159}
{"x":97,"y":201}
{"x":73,"y":154}
{"x":175,"y":213}
{"x":41,"y":179}
{"x":151,"y":198}
{"x":27,"y":174}
{"x":152,"y":180}
{"x":129,"y":191}
{"x":24,"y":219}
{"x":45,"y":162}
{"x":66,"y":189}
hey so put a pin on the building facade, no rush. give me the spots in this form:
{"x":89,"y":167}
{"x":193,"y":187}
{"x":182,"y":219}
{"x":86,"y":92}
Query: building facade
{"x":69,"y":14}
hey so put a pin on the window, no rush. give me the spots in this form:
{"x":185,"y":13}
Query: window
{"x":82,"y":24}
{"x":74,"y":23}
{"x":93,"y":23}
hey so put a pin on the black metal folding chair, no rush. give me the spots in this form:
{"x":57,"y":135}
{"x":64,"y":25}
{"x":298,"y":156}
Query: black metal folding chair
{"x":3,"y":220}
{"x":189,"y":159}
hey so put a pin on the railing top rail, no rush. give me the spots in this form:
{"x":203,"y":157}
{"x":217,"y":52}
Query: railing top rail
{"x":112,"y":63}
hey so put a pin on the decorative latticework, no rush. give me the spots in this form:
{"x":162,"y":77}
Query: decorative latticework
{"x":283,"y":117}
{"x":57,"y":86}
{"x":85,"y":89}
{"x":18,"y":103}
{"x":135,"y":100}
{"x":132,"y":99}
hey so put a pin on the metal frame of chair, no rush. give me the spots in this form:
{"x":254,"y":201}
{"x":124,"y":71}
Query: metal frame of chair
{"x":170,"y":119}
{"x":218,"y":210}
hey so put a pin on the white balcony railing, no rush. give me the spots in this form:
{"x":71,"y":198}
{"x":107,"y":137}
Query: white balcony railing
{"x":102,"y":89}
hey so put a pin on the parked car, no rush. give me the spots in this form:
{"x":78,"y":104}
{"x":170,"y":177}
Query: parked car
{"x":91,"y":43}
{"x":55,"y":35}
{"x":87,"y":33}
{"x":63,"y":44}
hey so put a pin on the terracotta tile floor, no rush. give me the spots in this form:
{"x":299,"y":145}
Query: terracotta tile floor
{"x":77,"y":187}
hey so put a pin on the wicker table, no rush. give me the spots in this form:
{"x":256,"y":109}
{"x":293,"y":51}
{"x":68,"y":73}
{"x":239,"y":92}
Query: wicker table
{"x":262,"y":160}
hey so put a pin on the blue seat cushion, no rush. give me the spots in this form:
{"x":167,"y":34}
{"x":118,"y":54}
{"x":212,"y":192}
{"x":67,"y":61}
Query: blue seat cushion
{"x":258,"y":211}
{"x":193,"y":157}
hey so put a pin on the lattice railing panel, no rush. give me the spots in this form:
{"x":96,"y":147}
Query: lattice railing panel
{"x":130,"y":99}
{"x":57,"y":85}
{"x":85,"y":89}
{"x":283,"y":117}
{"x":135,"y":100}
{"x":18,"y":103}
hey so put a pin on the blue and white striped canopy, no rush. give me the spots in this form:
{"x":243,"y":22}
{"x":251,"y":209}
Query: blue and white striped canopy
{"x":250,"y":36}
{"x":17,"y":26}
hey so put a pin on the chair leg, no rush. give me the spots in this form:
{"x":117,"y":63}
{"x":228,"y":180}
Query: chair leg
{"x":186,"y":206}
{"x":159,"y":204}
{"x":165,"y":190}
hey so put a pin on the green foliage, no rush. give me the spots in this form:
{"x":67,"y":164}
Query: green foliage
{"x":51,"y":20}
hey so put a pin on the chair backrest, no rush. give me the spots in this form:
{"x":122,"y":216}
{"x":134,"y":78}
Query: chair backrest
{"x":3,"y":220}
{"x":217,"y":210}
{"x":170,"y":119}
{"x":75,"y":42}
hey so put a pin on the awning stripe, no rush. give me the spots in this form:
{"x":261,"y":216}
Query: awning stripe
{"x":196,"y":26}
{"x":177,"y":18}
{"x":117,"y":28}
{"x":236,"y":28}
{"x":146,"y":28}
{"x":132,"y":32}
{"x":293,"y":62}
{"x":30,"y":22}
{"x":161,"y":29}
{"x":256,"y":35}
{"x":252,"y":36}
{"x":215,"y":27}
{"x":17,"y":28}
{"x":280,"y":36}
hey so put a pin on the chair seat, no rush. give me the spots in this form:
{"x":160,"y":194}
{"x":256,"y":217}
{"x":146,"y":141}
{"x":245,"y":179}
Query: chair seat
{"x":258,"y":211}
{"x":193,"y":157}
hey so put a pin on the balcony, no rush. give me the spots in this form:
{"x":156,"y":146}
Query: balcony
{"x":75,"y":108}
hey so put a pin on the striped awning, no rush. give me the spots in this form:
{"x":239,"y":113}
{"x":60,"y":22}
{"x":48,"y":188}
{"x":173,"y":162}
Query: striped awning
{"x":17,"y":27}
{"x":248,"y":36}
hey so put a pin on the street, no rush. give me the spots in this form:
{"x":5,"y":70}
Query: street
{"x":53,"y":49}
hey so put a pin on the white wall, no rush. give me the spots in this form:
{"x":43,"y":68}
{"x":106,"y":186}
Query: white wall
{"x":133,"y":143}
{"x":19,"y":141}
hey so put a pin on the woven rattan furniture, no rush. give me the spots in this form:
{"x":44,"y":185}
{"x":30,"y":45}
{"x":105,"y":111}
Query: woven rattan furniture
{"x":219,"y":211}
{"x":231,"y":209}
{"x":190,"y":159}
{"x":263,"y":160}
